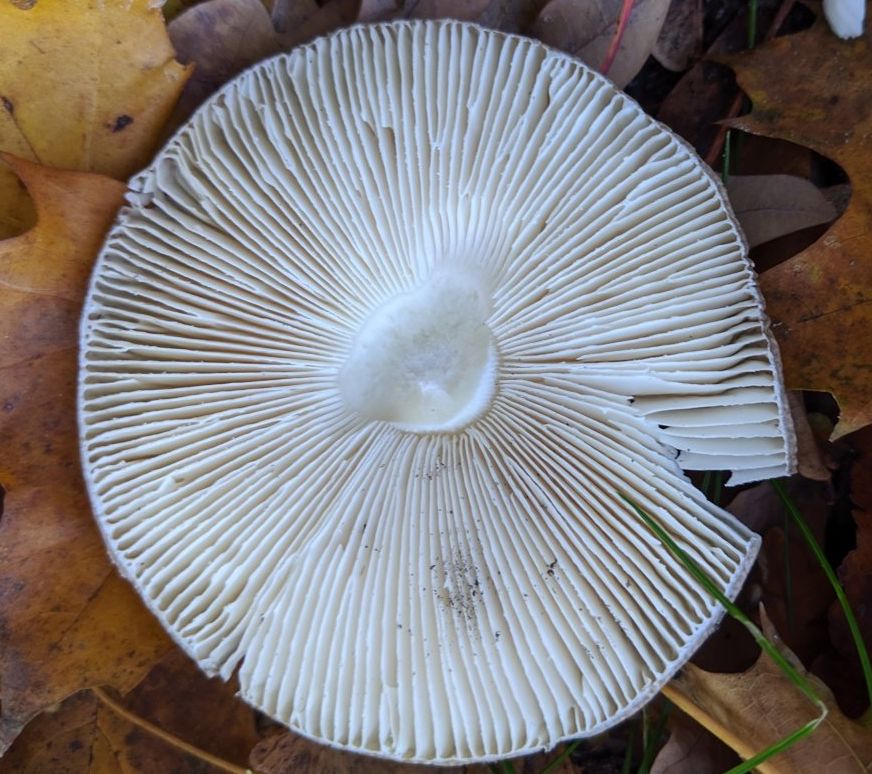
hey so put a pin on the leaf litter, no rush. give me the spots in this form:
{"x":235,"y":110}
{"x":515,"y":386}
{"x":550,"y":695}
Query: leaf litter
{"x":70,"y":625}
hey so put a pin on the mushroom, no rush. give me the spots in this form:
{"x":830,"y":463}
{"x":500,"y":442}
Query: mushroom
{"x":369,"y":359}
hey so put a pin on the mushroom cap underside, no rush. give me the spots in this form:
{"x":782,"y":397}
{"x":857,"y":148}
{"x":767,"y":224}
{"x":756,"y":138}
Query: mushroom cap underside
{"x":370,"y":359}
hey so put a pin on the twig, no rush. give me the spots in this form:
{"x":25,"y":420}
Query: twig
{"x":165,"y":736}
{"x":615,"y":44}
{"x":718,"y":145}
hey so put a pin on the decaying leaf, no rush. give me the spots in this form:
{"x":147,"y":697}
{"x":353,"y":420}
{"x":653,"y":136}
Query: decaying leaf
{"x":379,"y":10}
{"x":813,"y":89}
{"x":841,"y":667}
{"x":681,"y":36}
{"x":510,"y":15}
{"x":83,"y":85}
{"x":176,"y":720}
{"x":809,"y":459}
{"x":691,"y":749}
{"x":754,"y":709}
{"x":65,"y":740}
{"x":770,"y":206}
{"x":183,"y":704}
{"x":585,"y":28}
{"x":297,"y":21}
{"x":67,"y":621}
{"x":221,"y":38}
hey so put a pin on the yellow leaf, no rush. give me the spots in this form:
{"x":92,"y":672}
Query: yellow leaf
{"x":84,"y":84}
{"x":67,"y":620}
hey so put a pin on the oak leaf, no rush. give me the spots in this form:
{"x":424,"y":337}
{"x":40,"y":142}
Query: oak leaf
{"x":813,"y":89}
{"x":67,"y":621}
{"x":84,"y":86}
{"x":754,"y":709}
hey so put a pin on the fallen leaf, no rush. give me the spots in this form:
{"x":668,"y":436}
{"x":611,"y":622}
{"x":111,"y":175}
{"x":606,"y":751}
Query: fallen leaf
{"x":67,"y":621}
{"x":167,"y":724}
{"x":182,"y":704}
{"x":792,"y":585}
{"x":754,"y":709}
{"x":221,"y":38}
{"x":380,"y":10}
{"x":813,"y":89}
{"x":809,"y":459}
{"x":680,"y":40}
{"x":842,"y":666}
{"x":83,"y":85}
{"x":585,"y":28}
{"x":770,"y":206}
{"x":691,"y":749}
{"x":65,"y":740}
{"x":297,"y":21}
{"x":510,"y":15}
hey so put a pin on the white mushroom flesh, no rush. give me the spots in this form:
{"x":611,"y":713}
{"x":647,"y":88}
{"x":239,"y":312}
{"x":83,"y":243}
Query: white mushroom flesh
{"x":368,"y":361}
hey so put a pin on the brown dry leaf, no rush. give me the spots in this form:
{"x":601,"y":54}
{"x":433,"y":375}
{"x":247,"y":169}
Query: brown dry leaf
{"x":585,"y":28}
{"x":297,"y":21}
{"x":691,"y":749}
{"x":157,"y":728}
{"x":680,"y":40}
{"x":511,"y":15}
{"x":770,"y":206}
{"x":67,"y":621}
{"x":221,"y":38}
{"x":180,"y":701}
{"x":64,"y":740}
{"x":813,"y":89}
{"x":809,"y":459}
{"x":841,"y":668}
{"x":83,"y":85}
{"x":704,"y":93}
{"x":792,"y":585}
{"x":754,"y":709}
{"x":379,"y":10}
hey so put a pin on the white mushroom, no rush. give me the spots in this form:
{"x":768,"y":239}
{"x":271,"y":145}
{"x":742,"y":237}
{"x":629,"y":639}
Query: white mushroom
{"x":369,"y":359}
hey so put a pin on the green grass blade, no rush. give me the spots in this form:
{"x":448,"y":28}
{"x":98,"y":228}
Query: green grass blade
{"x":789,"y":670}
{"x":752,"y":23}
{"x":853,"y":626}
{"x":778,"y":747}
{"x":556,"y":762}
{"x":652,"y":741}
{"x":627,"y":766}
{"x":788,"y":578}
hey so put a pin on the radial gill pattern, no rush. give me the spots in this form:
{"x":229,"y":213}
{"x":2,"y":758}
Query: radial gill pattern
{"x":368,"y":361}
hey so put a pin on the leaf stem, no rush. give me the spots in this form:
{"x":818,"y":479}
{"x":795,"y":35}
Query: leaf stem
{"x":615,"y":44}
{"x":165,"y":736}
